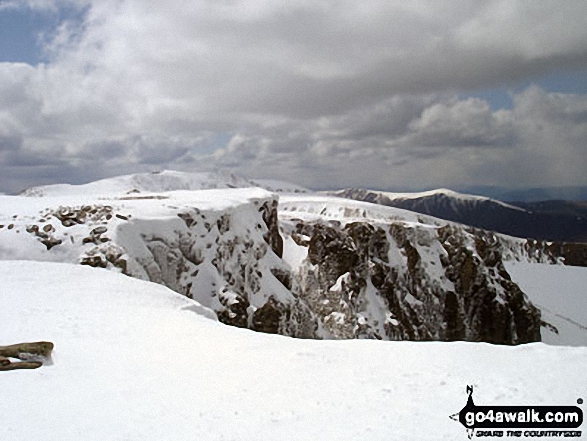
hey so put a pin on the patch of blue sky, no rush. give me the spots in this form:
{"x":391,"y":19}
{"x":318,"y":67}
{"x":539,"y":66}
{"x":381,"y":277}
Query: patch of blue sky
{"x":500,"y":98}
{"x":210,"y":142}
{"x":573,"y":81}
{"x":217,"y":141}
{"x":24,"y":31}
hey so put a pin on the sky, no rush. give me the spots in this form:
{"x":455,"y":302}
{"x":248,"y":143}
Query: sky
{"x":323,"y":93}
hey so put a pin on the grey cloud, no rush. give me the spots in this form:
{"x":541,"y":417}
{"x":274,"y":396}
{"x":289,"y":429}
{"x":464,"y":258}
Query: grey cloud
{"x":104,"y":148}
{"x":156,"y":151}
{"x":543,"y":138}
{"x":317,"y":92}
{"x":319,"y":58}
{"x":22,"y":158}
{"x":9,"y":143}
{"x":461,"y":123}
{"x":137,"y":148}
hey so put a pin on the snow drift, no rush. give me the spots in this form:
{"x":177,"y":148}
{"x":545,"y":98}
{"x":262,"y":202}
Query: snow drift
{"x":135,"y":360}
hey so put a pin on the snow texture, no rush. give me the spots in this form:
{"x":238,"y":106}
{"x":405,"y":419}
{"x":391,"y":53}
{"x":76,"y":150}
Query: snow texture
{"x":561,"y":294}
{"x":136,"y":361}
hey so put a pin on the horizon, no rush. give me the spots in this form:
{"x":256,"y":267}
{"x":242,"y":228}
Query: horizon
{"x":505,"y":194}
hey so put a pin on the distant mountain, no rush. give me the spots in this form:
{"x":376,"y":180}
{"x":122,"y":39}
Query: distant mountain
{"x":572,"y":208}
{"x":144,"y":183}
{"x":569,"y":193}
{"x":156,"y":182}
{"x":551,"y":220}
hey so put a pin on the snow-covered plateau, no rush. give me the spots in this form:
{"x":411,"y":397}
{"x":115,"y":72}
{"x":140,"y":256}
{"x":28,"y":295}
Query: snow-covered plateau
{"x":134,"y":360}
{"x":301,"y":265}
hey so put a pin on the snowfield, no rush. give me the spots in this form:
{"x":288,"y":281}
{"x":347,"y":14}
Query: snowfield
{"x":133,"y":360}
{"x":157,"y":182}
{"x":561,"y":294}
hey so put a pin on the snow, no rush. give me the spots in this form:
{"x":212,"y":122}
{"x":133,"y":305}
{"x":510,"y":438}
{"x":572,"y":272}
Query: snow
{"x":152,"y":237}
{"x":338,"y":286}
{"x":156,"y":182}
{"x":561,"y":294}
{"x":446,"y":192}
{"x":279,"y":186}
{"x":293,"y":254}
{"x":136,"y":361}
{"x":164,"y":181}
{"x":313,"y":206}
{"x":156,"y":214}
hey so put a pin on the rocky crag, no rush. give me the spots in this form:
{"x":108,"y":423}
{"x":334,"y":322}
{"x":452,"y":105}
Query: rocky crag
{"x":306,"y":267}
{"x":413,"y":279}
{"x":560,"y":221}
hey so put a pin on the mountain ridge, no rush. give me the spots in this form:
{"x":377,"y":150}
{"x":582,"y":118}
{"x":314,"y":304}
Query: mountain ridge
{"x":520,"y":221}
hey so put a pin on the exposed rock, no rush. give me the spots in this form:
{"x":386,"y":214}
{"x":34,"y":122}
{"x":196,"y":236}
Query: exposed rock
{"x":235,"y":312}
{"x":45,"y":236}
{"x":70,"y":216}
{"x":353,"y":266}
{"x":272,"y":236}
{"x":32,"y":354}
{"x":389,"y":279}
{"x":267,"y":318}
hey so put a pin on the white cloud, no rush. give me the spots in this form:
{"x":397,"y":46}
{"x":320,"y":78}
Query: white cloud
{"x":320,"y":92}
{"x":456,"y":123}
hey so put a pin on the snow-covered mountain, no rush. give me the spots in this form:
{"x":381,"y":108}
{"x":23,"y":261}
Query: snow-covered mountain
{"x":279,"y":186}
{"x":300,"y":264}
{"x":481,"y":212}
{"x":155,"y":182}
{"x":135,"y":361}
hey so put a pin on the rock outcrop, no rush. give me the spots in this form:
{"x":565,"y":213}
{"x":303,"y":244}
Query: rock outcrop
{"x":30,"y":355}
{"x":407,"y":282}
{"x":316,"y":269}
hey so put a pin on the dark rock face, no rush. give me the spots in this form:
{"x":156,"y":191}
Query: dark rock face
{"x":272,"y":236}
{"x":436,"y":284}
{"x":334,"y":253}
{"x":560,"y":221}
{"x":494,"y":315}
{"x":574,"y":254}
{"x":235,"y":313}
{"x":268,"y":318}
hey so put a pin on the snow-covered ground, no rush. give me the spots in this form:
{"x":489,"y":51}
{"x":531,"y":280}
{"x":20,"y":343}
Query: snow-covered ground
{"x":157,"y":182}
{"x":317,"y":206}
{"x":136,"y":361}
{"x":279,"y":186}
{"x":561,"y":294}
{"x":167,"y":180}
{"x":455,"y":197}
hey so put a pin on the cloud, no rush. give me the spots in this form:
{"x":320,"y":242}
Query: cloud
{"x":461,"y":123}
{"x":9,"y":142}
{"x":326,"y":92}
